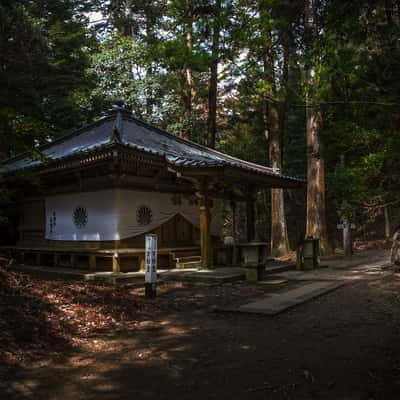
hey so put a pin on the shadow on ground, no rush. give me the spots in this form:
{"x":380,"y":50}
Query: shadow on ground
{"x":341,"y":346}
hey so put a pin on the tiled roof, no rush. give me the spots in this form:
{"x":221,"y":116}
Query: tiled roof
{"x":121,"y":127}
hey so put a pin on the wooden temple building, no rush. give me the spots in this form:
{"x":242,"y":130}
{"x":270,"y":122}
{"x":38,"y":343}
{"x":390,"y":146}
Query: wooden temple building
{"x":105,"y":186}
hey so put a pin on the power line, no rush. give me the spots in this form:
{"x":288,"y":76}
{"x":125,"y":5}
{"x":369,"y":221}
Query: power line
{"x":355,"y":102}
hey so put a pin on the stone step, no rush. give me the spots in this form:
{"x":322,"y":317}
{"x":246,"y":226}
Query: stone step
{"x":210,"y":277}
{"x":179,"y":259}
{"x":188,"y":259}
{"x":184,"y":253}
{"x":188,"y":264}
{"x":276,"y":269}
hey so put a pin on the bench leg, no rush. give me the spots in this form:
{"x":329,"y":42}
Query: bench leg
{"x":56,"y":259}
{"x":73,"y":260}
{"x":38,"y":259}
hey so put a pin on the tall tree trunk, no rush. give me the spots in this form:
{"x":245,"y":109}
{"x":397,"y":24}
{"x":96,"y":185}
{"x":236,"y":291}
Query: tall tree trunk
{"x":213,"y":82}
{"x":274,"y":127}
{"x":149,"y":72}
{"x":389,"y":12}
{"x":187,"y":133}
{"x":122,"y":9}
{"x":316,"y":203}
{"x":279,"y":235}
{"x":149,"y":93}
{"x":128,"y":28}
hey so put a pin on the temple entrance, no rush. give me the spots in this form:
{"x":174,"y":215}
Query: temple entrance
{"x":177,"y":232}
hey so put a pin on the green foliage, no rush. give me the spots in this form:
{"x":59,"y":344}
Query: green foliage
{"x":57,"y":72}
{"x":358,"y":75}
{"x":120,"y":67}
{"x":44,"y":48}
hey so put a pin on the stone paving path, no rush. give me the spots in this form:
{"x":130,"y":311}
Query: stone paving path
{"x":360,"y":267}
{"x":317,"y":283}
{"x":275,"y":303}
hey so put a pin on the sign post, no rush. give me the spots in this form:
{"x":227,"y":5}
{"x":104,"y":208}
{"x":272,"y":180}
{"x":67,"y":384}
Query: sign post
{"x":151,"y":266}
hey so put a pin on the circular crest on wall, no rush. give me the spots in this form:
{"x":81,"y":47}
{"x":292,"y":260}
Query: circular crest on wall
{"x":80,"y":217}
{"x":144,"y":215}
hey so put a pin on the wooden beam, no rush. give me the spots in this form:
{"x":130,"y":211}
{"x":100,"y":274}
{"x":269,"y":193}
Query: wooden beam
{"x":262,"y":180}
{"x":233,"y":176}
{"x":125,"y":182}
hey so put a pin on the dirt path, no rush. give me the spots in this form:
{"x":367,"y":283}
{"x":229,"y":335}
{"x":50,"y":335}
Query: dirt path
{"x":344,"y":345}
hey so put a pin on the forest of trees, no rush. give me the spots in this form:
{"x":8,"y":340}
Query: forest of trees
{"x":309,"y":87}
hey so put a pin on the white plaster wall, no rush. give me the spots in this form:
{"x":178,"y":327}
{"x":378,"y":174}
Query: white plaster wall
{"x":102,"y":223}
{"x":112,"y":214}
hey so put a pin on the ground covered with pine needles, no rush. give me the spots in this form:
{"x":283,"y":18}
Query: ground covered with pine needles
{"x":70,"y":340}
{"x":42,"y":316}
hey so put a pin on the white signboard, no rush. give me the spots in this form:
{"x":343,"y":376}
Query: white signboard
{"x":151,"y":259}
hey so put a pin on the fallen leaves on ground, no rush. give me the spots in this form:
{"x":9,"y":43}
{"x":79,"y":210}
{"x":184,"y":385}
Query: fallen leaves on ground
{"x":39,"y":316}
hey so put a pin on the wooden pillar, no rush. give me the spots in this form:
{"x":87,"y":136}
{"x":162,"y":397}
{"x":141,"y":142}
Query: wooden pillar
{"x":205,"y":233}
{"x":115,"y":263}
{"x":115,"y":258}
{"x":235,"y":257}
{"x":250,"y":215}
{"x":141,"y":262}
{"x":92,"y":263}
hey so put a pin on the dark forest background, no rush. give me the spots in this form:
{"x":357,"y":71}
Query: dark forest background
{"x":237,"y":75}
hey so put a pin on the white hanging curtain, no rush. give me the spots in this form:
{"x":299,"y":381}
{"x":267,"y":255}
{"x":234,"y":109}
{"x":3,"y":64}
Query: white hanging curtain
{"x":117,"y":214}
